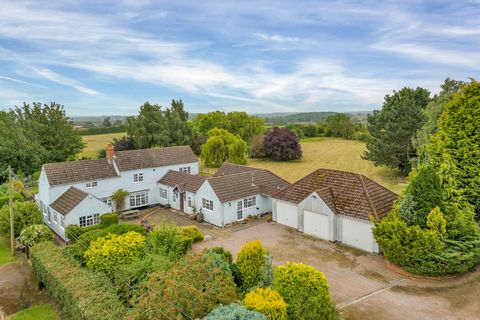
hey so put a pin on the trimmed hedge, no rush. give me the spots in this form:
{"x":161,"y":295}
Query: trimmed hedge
{"x":108,"y":219}
{"x":192,"y":232}
{"x":82,"y":294}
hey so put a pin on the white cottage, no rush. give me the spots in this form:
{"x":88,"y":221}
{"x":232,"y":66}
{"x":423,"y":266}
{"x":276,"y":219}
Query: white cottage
{"x":233,"y":194}
{"x":136,"y":171}
{"x":335,"y":206}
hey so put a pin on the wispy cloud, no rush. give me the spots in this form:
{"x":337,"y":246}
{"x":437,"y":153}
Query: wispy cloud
{"x":22,"y":82}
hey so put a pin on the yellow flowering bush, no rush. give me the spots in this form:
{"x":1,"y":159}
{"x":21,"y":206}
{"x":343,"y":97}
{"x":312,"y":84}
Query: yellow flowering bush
{"x":266,"y":301}
{"x":107,"y":253}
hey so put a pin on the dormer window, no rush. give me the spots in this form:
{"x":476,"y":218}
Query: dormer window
{"x":91,"y":184}
{"x":138,"y":177}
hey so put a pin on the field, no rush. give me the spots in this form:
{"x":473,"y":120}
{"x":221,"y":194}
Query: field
{"x":332,"y":153}
{"x":96,"y":142}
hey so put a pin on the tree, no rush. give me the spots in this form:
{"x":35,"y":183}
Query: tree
{"x":34,"y":234}
{"x":304,"y":288}
{"x":149,"y":128}
{"x":266,"y":301}
{"x":177,"y":121}
{"x":257,"y":148}
{"x":190,"y":289}
{"x":425,"y":190}
{"x":392,"y":128}
{"x":52,"y":129}
{"x":340,"y":125}
{"x":124,"y":143}
{"x":250,"y":263}
{"x":282,"y":144}
{"x":223,"y":146}
{"x":107,"y":122}
{"x":118,"y":198}
{"x":107,"y":253}
{"x":454,"y":149}
{"x":26,"y":213}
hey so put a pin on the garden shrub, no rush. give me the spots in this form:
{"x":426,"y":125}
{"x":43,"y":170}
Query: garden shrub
{"x":303,"y":287}
{"x":190,"y":289}
{"x":227,"y":255}
{"x":166,"y":240}
{"x":73,"y":232}
{"x":107,"y":253}
{"x":126,"y":227}
{"x":266,"y":301}
{"x":250,"y":263}
{"x":81,"y":293}
{"x":128,"y":278}
{"x":34,"y":234}
{"x":26,"y":214}
{"x":108,"y":219}
{"x":192,"y":232}
{"x":234,"y":312}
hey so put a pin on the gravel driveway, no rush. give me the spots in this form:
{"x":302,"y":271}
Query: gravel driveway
{"x":361,"y":283}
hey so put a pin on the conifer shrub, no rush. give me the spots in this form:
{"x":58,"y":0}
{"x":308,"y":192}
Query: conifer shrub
{"x":227,"y":255}
{"x":304,"y":289}
{"x":234,"y":312}
{"x":250,"y":263}
{"x":192,"y":232}
{"x":268,"y":302}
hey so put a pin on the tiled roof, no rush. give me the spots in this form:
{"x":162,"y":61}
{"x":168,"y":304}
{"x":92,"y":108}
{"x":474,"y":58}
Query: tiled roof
{"x":184,"y":181}
{"x":68,"y":200}
{"x":344,"y":192}
{"x":156,"y":157}
{"x":245,"y":184}
{"x":230,"y":168}
{"x":77,"y":171}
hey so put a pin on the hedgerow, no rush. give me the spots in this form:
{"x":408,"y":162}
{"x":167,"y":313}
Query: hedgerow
{"x":81,"y":293}
{"x":266,"y":301}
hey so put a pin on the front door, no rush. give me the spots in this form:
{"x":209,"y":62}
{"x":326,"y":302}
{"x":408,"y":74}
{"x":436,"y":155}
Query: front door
{"x":240,"y":210}
{"x":182,"y":199}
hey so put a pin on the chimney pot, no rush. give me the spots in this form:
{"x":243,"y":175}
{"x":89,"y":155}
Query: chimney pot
{"x":110,"y":153}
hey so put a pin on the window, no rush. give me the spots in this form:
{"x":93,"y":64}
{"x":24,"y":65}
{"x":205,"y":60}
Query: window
{"x":91,"y":184}
{"x":250,"y":202}
{"x":163,"y":193}
{"x":185,"y":169}
{"x":55,"y":218}
{"x":139,"y":199}
{"x":90,"y":220}
{"x":239,"y":210}
{"x":48,"y":215}
{"x":107,"y":201}
{"x":174,"y":196}
{"x":207,"y":204}
{"x":138,"y":177}
{"x":189,"y":202}
{"x":62,"y":222}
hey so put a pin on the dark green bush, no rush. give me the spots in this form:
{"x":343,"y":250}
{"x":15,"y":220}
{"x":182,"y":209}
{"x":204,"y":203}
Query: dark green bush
{"x":192,"y":232}
{"x":108,"y":219}
{"x":166,"y":240}
{"x":82,"y":294}
{"x":227,"y":255}
{"x":73,"y":232}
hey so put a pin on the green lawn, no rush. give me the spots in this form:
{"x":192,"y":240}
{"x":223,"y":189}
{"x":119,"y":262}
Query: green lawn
{"x":5,"y":255}
{"x":96,"y":142}
{"x":332,"y":153}
{"x":41,"y":312}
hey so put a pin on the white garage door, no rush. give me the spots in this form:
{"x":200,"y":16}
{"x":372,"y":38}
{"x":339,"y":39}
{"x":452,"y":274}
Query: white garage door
{"x":315,"y":224}
{"x":357,"y":233}
{"x":287,"y":214}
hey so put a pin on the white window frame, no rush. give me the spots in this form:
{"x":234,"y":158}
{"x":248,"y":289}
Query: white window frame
{"x":55,"y":218}
{"x":185,"y":169}
{"x":163,"y":193}
{"x":189,"y":202}
{"x":62,"y":222}
{"x":138,"y":199}
{"x":90,"y":220}
{"x":207,"y":204}
{"x":138,"y":177}
{"x":91,"y":184}
{"x":107,"y":201}
{"x":250,"y":202}
{"x":174,"y":196}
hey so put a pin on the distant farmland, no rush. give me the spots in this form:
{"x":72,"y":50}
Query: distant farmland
{"x":96,"y":142}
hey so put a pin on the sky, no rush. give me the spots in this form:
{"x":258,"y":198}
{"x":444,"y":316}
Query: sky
{"x":108,"y":57}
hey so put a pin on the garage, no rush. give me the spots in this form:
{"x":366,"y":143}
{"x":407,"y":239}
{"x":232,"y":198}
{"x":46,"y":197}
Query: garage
{"x":358,"y":233}
{"x":315,"y":224}
{"x":287,"y":214}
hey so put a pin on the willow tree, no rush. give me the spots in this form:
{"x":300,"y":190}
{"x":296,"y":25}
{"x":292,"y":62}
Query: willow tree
{"x":223,"y":146}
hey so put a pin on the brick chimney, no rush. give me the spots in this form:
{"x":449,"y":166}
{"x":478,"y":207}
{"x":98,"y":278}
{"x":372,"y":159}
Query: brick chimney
{"x":110,"y":153}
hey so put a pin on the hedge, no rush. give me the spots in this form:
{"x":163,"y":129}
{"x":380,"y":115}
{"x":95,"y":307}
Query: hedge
{"x":82,"y":294}
{"x":108,"y":219}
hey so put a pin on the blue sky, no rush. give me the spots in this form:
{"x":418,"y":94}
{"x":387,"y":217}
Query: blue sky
{"x":256,"y":56}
